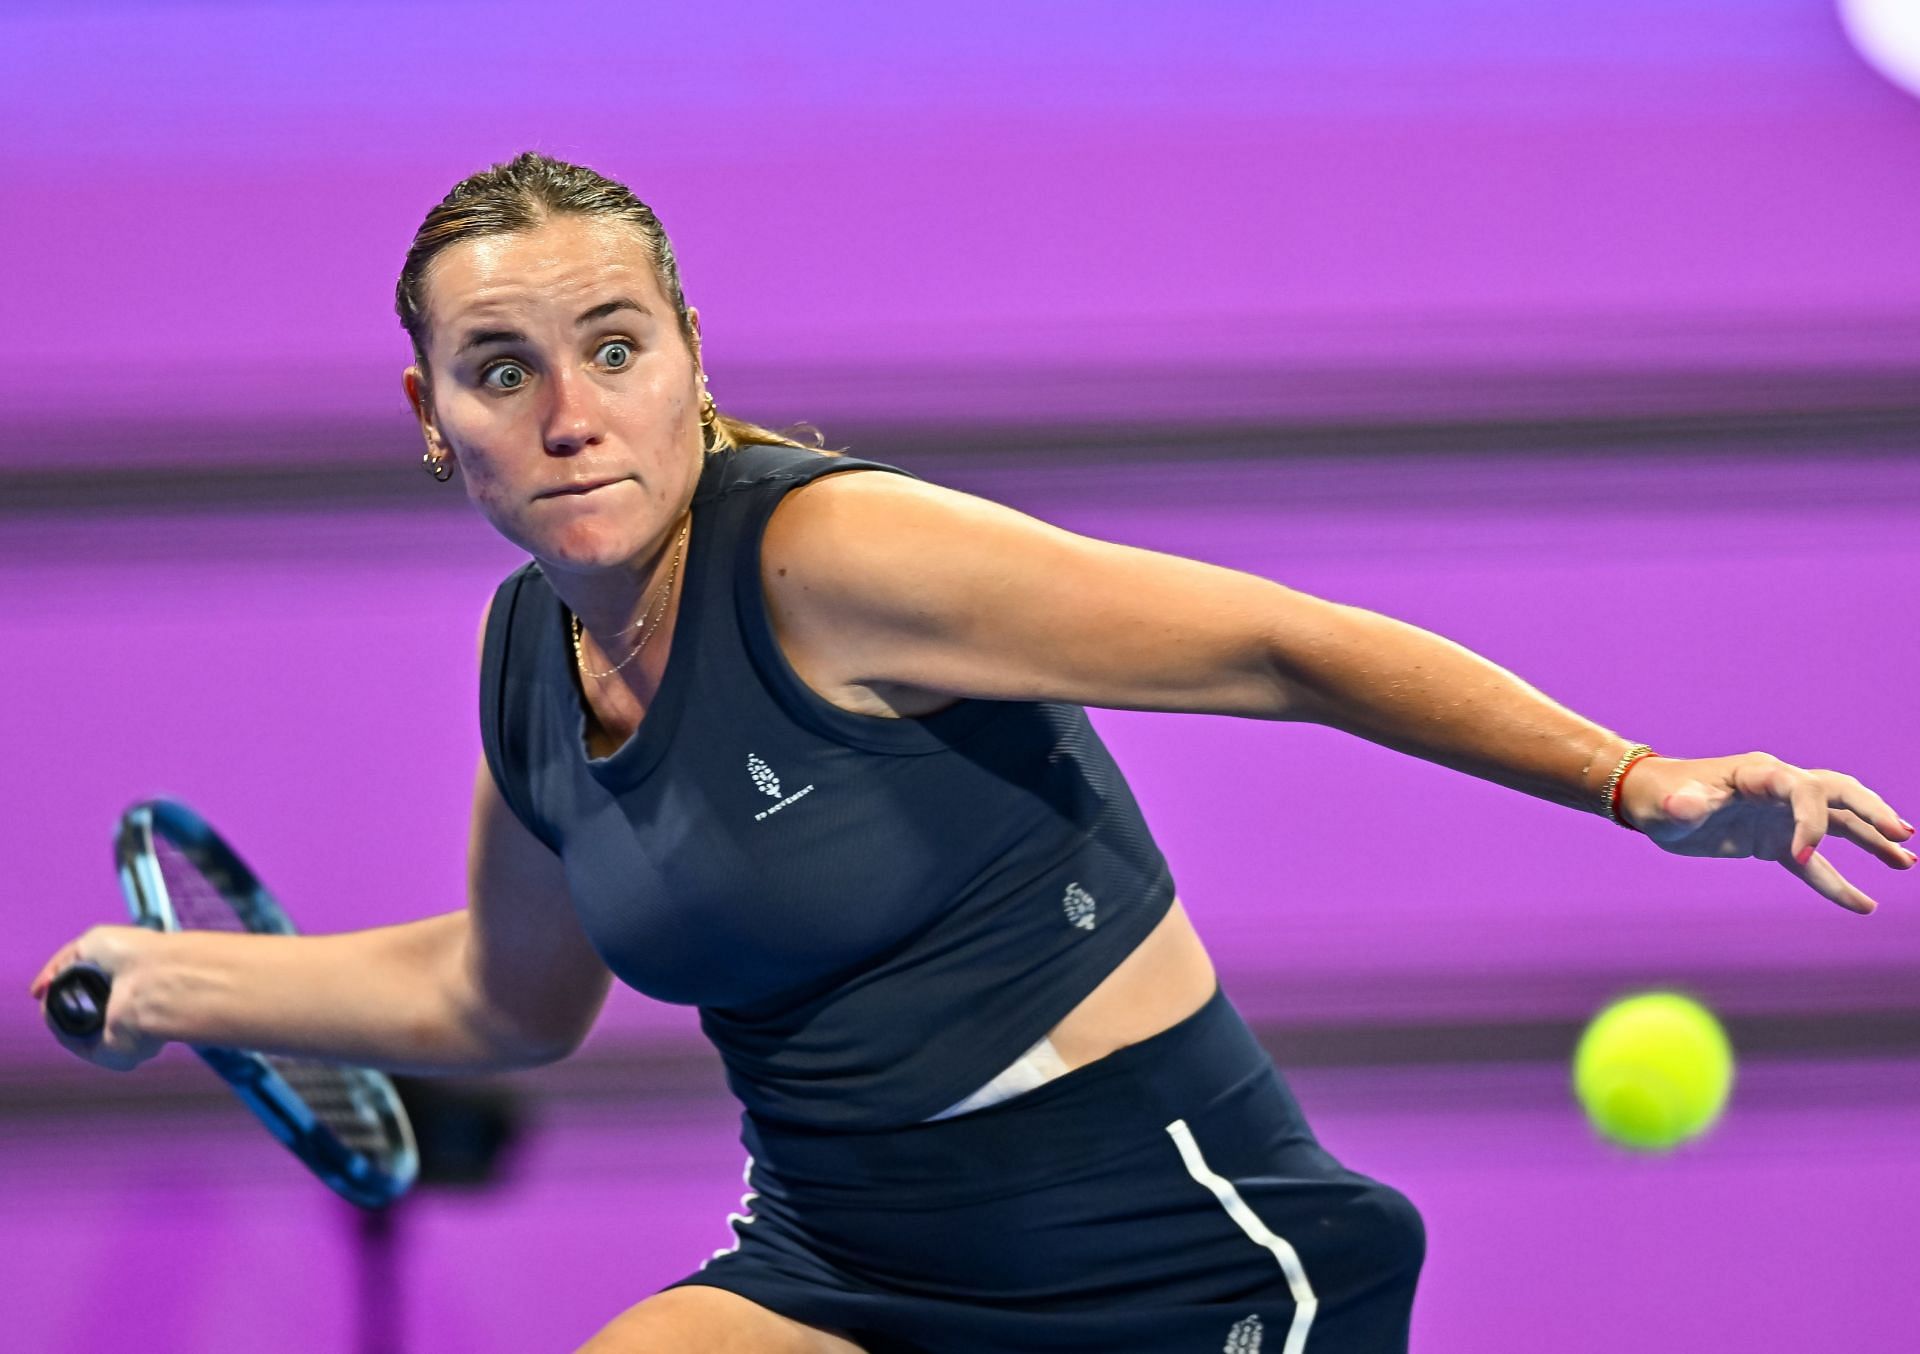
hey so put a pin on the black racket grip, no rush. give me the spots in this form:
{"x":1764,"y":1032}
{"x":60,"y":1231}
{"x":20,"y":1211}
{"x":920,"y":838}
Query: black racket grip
{"x":77,"y":1001}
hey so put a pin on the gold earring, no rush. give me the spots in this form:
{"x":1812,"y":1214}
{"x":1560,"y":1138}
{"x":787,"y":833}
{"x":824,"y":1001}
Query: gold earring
{"x":709,"y":417}
{"x":441,"y":466}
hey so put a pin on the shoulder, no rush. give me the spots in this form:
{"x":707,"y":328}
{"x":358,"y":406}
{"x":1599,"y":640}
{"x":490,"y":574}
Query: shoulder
{"x":774,"y":467}
{"x":864,"y":517}
{"x":861,"y":552}
{"x":850,"y":563}
{"x":506,"y":599}
{"x":526,"y":582}
{"x":858,"y":516}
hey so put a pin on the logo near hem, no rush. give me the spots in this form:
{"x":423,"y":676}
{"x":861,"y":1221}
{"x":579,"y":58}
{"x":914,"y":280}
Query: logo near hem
{"x":1079,"y":906}
{"x":1245,"y":1337}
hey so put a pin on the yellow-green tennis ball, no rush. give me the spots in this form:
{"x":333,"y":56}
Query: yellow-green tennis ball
{"x":1653,"y":1070}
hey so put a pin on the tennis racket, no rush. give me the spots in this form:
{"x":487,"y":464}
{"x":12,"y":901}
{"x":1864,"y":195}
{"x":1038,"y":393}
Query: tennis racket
{"x":345,"y":1123}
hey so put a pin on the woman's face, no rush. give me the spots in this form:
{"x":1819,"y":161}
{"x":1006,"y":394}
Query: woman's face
{"x":560,"y":383}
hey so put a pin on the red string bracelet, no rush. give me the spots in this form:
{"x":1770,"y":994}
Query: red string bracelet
{"x":1636,"y":754}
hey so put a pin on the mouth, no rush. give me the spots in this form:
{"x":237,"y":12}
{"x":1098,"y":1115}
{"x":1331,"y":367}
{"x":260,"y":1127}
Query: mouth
{"x":579,"y":487}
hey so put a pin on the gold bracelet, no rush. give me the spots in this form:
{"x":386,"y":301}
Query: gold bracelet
{"x":1633,"y":754}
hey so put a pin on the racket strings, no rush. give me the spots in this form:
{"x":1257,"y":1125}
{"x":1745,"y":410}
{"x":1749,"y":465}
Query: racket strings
{"x":198,"y":903}
{"x":336,"y":1102}
{"x":204,"y":903}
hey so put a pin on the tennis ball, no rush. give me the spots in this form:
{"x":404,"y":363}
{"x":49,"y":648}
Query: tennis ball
{"x":1653,"y":1070}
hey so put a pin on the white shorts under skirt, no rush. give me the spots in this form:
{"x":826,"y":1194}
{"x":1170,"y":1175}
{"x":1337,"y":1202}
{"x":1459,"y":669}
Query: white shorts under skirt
{"x":1036,"y":1067}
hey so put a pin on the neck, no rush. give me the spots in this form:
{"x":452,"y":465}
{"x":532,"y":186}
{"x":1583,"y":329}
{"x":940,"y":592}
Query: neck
{"x":611,"y":604}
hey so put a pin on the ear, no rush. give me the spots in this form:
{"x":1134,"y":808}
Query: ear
{"x":420,"y":396}
{"x":693,"y":323}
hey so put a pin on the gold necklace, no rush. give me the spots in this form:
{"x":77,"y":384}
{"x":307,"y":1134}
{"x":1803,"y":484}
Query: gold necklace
{"x":666,"y":594}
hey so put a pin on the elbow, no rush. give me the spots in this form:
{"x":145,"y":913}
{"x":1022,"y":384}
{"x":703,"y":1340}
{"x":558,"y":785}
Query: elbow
{"x":553,"y":1029}
{"x":537,"y":1053}
{"x":497,"y":1044}
{"x":517,"y":1019}
{"x":523,"y":1039}
{"x":1297,"y":649}
{"x":1286,"y":697}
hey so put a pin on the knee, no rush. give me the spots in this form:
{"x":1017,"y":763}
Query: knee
{"x":663,"y":1321}
{"x":700,"y":1319}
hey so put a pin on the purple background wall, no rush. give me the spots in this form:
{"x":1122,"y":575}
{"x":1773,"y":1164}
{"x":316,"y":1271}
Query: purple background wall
{"x":213,"y":199}
{"x":1684,"y":229}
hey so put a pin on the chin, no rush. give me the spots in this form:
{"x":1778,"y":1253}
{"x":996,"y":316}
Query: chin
{"x":587,"y":545}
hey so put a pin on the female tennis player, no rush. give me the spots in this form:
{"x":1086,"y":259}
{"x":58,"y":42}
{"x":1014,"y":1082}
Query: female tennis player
{"x":800,"y":740}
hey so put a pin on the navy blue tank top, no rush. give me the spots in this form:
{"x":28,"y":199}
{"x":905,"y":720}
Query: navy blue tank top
{"x":875,"y":916}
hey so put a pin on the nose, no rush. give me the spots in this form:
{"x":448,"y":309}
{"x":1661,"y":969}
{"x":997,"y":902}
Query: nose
{"x":574,"y":417}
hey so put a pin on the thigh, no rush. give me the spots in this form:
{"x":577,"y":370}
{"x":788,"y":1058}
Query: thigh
{"x":711,"y":1321}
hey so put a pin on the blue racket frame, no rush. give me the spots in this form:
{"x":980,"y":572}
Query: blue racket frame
{"x":357,"y":1176}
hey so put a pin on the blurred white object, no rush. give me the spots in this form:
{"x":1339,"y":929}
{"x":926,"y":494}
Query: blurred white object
{"x":1887,"y":32}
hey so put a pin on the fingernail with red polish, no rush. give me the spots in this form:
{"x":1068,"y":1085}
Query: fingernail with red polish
{"x":1905,"y":824}
{"x":1804,"y":856}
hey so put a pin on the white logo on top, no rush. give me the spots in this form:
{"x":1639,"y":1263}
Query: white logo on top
{"x":763,"y":775}
{"x":769,"y":784}
{"x":1245,"y":1337}
{"x":1079,"y":905}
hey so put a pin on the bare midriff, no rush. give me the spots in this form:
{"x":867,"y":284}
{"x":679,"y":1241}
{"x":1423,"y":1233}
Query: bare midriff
{"x":1166,"y":978}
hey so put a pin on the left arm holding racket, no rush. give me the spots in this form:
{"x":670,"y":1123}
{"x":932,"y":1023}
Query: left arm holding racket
{"x":379,"y":998}
{"x":297,"y":1025}
{"x":510,"y":981}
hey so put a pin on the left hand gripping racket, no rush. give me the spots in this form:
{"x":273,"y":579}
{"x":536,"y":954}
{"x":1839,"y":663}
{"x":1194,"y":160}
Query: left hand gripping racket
{"x":345,"y":1123}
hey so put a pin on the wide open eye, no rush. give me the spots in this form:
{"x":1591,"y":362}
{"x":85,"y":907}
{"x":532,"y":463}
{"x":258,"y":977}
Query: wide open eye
{"x":616,"y":353}
{"x":504,"y":376}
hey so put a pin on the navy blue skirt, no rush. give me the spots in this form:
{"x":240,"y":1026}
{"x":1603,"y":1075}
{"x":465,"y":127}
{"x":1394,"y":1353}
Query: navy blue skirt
{"x":1169,"y":1196}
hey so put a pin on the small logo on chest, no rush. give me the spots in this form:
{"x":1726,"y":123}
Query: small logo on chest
{"x":768,"y":784}
{"x":763,"y":775}
{"x":1079,"y":907}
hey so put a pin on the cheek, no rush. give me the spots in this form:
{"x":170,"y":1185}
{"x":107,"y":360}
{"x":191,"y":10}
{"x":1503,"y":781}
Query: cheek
{"x":480,"y":473}
{"x":482,"y":444}
{"x":666,"y":396}
{"x":492,"y":493}
{"x":495,"y":502}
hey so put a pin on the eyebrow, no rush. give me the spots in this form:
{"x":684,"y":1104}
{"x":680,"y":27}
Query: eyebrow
{"x":481,"y":337}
